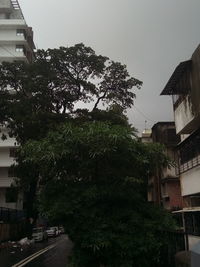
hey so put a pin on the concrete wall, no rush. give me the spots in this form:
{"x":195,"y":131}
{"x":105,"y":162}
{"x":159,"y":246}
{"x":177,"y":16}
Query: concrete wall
{"x":193,"y":240}
{"x":8,"y":35}
{"x":175,"y":194}
{"x":5,"y":5}
{"x":169,"y":172}
{"x":187,"y":113}
{"x":7,"y":10}
{"x":5,"y":159}
{"x":9,"y":142}
{"x":190,"y":181}
{"x":8,"y":53}
{"x":5,"y":181}
{"x":12,"y":231}
{"x":183,"y":115}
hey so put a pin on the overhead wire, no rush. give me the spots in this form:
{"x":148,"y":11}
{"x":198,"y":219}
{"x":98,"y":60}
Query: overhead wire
{"x":144,"y":115}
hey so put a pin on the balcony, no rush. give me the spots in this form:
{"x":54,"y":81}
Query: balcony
{"x":6,"y":181}
{"x":169,"y":173}
{"x":184,"y":117}
{"x":189,"y":151}
{"x":189,"y":164}
{"x":12,"y":23}
{"x":6,"y":6}
{"x":6,"y":162}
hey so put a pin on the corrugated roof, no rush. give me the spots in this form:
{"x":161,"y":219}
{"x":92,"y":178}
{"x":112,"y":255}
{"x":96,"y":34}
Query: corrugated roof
{"x":179,"y":71}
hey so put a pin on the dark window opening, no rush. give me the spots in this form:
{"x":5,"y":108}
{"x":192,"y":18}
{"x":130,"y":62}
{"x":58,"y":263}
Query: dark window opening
{"x":20,"y":32}
{"x":11,"y":172}
{"x":20,"y":48}
{"x":192,"y":225}
{"x":12,"y":152}
{"x":11,"y":195}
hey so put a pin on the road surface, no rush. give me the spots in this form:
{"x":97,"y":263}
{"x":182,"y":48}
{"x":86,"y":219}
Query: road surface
{"x":51,"y":253}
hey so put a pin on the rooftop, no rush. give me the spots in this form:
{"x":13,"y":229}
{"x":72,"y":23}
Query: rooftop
{"x":170,"y":88}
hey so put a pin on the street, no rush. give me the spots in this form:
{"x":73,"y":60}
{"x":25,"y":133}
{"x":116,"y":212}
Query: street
{"x":51,"y":253}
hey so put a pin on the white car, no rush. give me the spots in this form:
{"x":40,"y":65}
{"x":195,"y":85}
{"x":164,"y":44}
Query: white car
{"x":39,"y":234}
{"x":51,"y":232}
{"x":56,"y":229}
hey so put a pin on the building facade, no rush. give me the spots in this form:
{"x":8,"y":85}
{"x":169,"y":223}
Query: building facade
{"x":184,"y":87}
{"x":16,"y":44}
{"x":164,"y":184}
{"x":16,"y":38}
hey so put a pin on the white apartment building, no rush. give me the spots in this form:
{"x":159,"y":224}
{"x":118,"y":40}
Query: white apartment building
{"x":16,"y":38}
{"x":184,"y":86}
{"x":16,"y":44}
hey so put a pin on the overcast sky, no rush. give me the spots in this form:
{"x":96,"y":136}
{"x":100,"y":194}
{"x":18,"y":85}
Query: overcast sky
{"x":150,"y":36}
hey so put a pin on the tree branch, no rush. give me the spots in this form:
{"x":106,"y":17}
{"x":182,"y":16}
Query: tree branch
{"x":99,"y":99}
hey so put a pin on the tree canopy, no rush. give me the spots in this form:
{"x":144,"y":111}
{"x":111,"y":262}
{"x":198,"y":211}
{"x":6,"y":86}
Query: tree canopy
{"x":93,"y":179}
{"x":84,"y":166}
{"x":35,"y":97}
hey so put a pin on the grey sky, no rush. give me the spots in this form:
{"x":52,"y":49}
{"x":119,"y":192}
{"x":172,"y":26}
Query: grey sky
{"x":150,"y":36}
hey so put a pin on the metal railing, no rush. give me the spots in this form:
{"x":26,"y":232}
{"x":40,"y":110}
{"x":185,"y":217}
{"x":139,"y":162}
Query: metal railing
{"x":189,"y":164}
{"x":16,"y":6}
{"x":175,"y":241}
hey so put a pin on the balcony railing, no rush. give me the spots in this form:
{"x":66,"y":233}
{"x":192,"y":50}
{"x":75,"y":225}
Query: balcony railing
{"x":189,"y":152}
{"x":189,"y":164}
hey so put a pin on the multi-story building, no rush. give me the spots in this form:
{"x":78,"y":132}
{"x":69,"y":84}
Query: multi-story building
{"x":184,"y":86}
{"x":16,"y":38}
{"x":164,"y":184}
{"x":16,"y":44}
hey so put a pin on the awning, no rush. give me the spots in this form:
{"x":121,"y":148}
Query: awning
{"x":187,"y":210}
{"x":179,"y":71}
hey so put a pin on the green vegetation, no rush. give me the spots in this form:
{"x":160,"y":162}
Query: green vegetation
{"x":84,"y":168}
{"x":93,"y":180}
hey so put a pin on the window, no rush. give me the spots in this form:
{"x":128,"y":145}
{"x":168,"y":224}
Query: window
{"x":19,"y":48}
{"x":11,"y":195}
{"x":11,"y":172}
{"x":12,"y":153}
{"x":192,"y":222}
{"x":20,"y":32}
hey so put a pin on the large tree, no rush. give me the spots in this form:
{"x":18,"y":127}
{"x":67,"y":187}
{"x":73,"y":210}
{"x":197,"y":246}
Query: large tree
{"x":36,"y":97}
{"x":93,"y":179}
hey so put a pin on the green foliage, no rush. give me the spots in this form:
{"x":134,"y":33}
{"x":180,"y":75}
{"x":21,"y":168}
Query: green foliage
{"x":94,"y":181}
{"x":36,"y":97}
{"x":90,"y":168}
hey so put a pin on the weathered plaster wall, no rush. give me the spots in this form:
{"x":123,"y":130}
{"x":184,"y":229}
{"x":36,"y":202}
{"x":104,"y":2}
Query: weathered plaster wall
{"x":190,"y":181}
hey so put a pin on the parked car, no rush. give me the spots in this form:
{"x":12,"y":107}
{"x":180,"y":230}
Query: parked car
{"x":61,"y":230}
{"x":51,"y":232}
{"x":39,"y":234}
